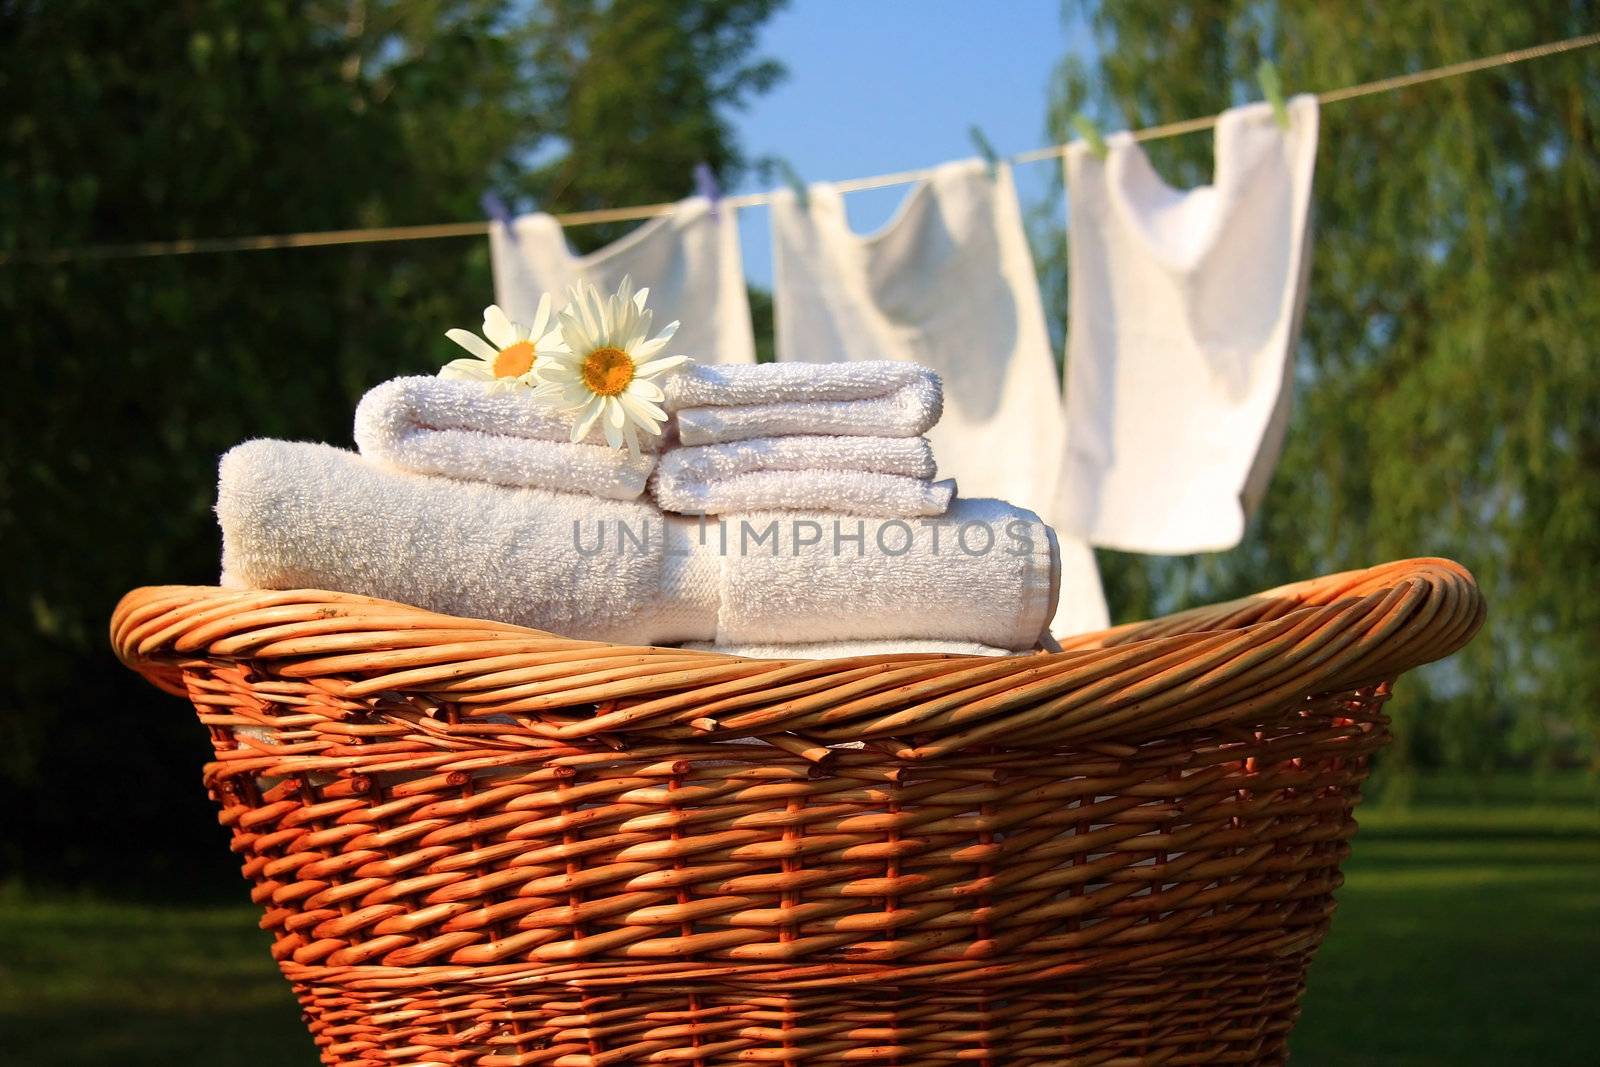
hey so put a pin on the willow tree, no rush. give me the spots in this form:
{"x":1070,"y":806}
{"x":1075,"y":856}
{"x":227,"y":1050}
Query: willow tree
{"x":1448,"y":383}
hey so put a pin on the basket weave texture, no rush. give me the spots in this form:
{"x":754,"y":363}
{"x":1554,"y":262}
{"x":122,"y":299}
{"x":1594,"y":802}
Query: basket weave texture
{"x":484,"y":845}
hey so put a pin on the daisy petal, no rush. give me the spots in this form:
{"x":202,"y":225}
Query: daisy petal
{"x":613,"y":424}
{"x":574,"y":395}
{"x":642,"y":408}
{"x":586,"y":419}
{"x":500,"y":331}
{"x":546,"y":394}
{"x":576,"y":329}
{"x":552,"y":370}
{"x":475,"y":370}
{"x":655,"y":367}
{"x":646,"y":390}
{"x":472,"y":343}
{"x":641,"y":353}
{"x":590,"y":304}
{"x":541,"y":318}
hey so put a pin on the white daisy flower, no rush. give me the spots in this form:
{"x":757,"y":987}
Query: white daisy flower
{"x":604,"y":372}
{"x":506,"y":360}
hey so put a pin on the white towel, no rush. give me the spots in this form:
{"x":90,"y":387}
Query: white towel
{"x":984,"y":571}
{"x":1184,"y":311}
{"x":689,"y":259}
{"x":848,"y":649}
{"x":882,"y":476}
{"x":306,"y":515}
{"x":713,"y":405}
{"x":460,"y":429}
{"x":312,"y":516}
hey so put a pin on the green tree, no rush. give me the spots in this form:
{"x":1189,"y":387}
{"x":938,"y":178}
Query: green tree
{"x":1448,"y":400}
{"x":642,"y":137}
{"x":148,"y":119}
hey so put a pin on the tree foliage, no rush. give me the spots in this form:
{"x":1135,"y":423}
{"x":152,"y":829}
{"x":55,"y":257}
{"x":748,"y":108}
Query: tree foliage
{"x":641,"y":147}
{"x":147,"y":119}
{"x":1448,"y":389}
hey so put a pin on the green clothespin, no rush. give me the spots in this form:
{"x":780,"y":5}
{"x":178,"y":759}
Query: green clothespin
{"x":1090,"y":133}
{"x":985,"y":149}
{"x":1272,"y":89}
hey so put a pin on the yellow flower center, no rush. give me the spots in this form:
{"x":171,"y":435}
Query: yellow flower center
{"x":514,"y":360}
{"x":607,"y":371}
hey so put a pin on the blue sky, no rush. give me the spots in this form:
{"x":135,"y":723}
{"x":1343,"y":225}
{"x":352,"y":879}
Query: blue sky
{"x":887,"y":85}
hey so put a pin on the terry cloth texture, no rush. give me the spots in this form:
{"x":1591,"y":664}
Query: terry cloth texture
{"x":881,"y":476}
{"x":460,"y":429}
{"x":714,"y":405}
{"x":985,"y":571}
{"x":307,"y":515}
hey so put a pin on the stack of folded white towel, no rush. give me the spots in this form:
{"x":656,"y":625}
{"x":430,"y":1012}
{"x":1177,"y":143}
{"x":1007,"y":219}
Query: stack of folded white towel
{"x":795,"y":514}
{"x":844,"y":437}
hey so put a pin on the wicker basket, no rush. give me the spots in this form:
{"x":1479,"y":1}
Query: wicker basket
{"x":480,"y":844}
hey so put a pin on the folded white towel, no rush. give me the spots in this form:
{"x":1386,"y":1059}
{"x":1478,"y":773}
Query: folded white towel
{"x":312,"y":516}
{"x":984,"y":571}
{"x":882,"y":476}
{"x":306,"y":515}
{"x":459,"y":429}
{"x":715,"y":404}
{"x":847,"y":649}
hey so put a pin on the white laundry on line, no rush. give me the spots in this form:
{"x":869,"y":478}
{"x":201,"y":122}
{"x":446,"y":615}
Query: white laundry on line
{"x":1184,"y":309}
{"x":689,"y":259}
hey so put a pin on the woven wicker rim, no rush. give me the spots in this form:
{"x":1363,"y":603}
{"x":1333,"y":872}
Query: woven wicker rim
{"x":1228,"y":664}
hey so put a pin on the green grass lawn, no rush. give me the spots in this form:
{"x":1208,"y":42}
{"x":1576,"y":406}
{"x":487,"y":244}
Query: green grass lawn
{"x":1468,"y":932}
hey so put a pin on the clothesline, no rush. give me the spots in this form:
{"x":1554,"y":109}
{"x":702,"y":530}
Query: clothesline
{"x":382,"y":234}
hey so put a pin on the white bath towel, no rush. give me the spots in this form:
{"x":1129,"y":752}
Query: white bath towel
{"x":460,"y":429}
{"x":1184,"y":312}
{"x":985,"y":571}
{"x":313,"y":516}
{"x":882,"y":476}
{"x":306,"y":515}
{"x":689,"y":259}
{"x":713,"y":405}
{"x":848,"y":649}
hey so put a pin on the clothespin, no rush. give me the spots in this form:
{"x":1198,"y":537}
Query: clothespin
{"x":496,"y":209}
{"x":791,"y":177}
{"x":705,"y":184}
{"x":1090,"y":133}
{"x":985,"y":149}
{"x":1272,"y":89}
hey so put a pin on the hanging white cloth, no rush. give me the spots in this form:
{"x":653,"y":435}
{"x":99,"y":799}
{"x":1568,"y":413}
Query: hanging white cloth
{"x":948,"y":283}
{"x":1184,"y":310}
{"x":689,"y":259}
